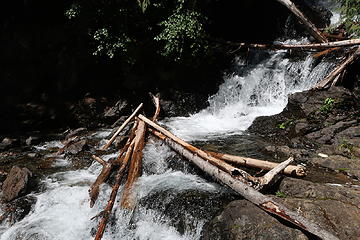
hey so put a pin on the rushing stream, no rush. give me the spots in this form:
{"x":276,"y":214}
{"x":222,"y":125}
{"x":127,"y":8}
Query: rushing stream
{"x":173,"y":201}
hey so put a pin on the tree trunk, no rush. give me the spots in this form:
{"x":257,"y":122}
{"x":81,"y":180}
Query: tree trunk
{"x":306,"y":46}
{"x":340,"y":68}
{"x":255,"y":163}
{"x":127,"y":200}
{"x":266,"y":203}
{"x":308,"y":25}
{"x":122,"y":127}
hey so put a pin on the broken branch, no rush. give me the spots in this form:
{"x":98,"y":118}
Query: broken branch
{"x":122,"y":127}
{"x":269,"y":176}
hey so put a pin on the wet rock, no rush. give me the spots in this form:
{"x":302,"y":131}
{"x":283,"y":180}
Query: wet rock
{"x":76,"y":147}
{"x":243,"y":220}
{"x":74,"y":133}
{"x":340,"y":163}
{"x":16,"y":183}
{"x":117,"y":110}
{"x":333,"y":207}
{"x":285,"y":151}
{"x":17,"y":209}
{"x":7,"y":143}
{"x":32,"y":140}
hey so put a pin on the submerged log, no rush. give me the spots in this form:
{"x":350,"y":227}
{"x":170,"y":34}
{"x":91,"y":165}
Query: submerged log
{"x":338,"y":70}
{"x":127,"y":200}
{"x":106,"y":146}
{"x":298,"y":171}
{"x":264,"y":202}
{"x":107,"y":211}
{"x":306,"y":46}
{"x":308,"y":25}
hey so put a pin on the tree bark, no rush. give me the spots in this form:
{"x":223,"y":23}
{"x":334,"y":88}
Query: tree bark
{"x":255,"y":163}
{"x":106,"y":146}
{"x":107,"y":211}
{"x":340,"y":68}
{"x":308,"y":25}
{"x":264,"y":202}
{"x":127,"y":200}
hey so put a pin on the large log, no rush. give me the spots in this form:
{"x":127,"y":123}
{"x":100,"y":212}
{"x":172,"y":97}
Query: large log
{"x":306,"y":46}
{"x":127,"y":200}
{"x":106,"y":146}
{"x":264,"y":202}
{"x":107,"y":211}
{"x":298,"y":171}
{"x":235,"y":172}
{"x":308,"y":25}
{"x":338,"y":70}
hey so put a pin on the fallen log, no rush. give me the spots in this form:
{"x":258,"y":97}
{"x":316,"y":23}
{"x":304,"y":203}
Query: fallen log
{"x":156,"y":101}
{"x":340,"y":68}
{"x":107,"y":211}
{"x":233,"y":171}
{"x":107,"y":168}
{"x":325,"y":52}
{"x":266,"y":203}
{"x":269,"y":176}
{"x":127,"y":200}
{"x":306,"y":46}
{"x":298,"y":171}
{"x":106,"y":146}
{"x":308,"y":25}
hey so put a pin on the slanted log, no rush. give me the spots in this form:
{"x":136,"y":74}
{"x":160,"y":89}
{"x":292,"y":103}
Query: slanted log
{"x":269,"y":176}
{"x":106,"y":146}
{"x":308,"y":25}
{"x":298,"y":171}
{"x":306,"y":46}
{"x":235,"y":172}
{"x":325,"y":52}
{"x":156,"y":102}
{"x":107,"y":168}
{"x":266,"y":203}
{"x":339,"y":69}
{"x":107,"y":211}
{"x":127,"y":200}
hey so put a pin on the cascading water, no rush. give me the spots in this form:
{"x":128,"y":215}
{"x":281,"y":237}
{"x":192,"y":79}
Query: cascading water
{"x":168,"y":188}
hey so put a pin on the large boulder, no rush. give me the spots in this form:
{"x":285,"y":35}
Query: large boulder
{"x":16,"y":183}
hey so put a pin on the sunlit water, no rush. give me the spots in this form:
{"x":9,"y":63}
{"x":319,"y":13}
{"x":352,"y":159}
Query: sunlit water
{"x":62,"y":210}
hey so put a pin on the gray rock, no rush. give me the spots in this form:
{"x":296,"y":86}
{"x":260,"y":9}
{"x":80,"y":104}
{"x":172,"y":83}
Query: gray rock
{"x":243,"y":220}
{"x":76,"y":147}
{"x":16,"y":183}
{"x":75,"y":132}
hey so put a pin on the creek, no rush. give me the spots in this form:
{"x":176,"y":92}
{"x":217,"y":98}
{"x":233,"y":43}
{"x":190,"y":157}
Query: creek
{"x":175,"y":201}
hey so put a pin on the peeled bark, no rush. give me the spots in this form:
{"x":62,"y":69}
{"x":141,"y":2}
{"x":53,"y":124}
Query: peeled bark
{"x":107,"y":211}
{"x":127,"y":200}
{"x":255,"y":163}
{"x":106,"y":146}
{"x":308,"y":25}
{"x":264,"y":202}
{"x":338,"y":70}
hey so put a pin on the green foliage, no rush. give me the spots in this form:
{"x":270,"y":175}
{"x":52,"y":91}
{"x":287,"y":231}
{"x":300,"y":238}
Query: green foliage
{"x":286,"y":124}
{"x":350,"y":13}
{"x":328,"y":105}
{"x":183,"y":33}
{"x":280,"y":194}
{"x":346,"y":145}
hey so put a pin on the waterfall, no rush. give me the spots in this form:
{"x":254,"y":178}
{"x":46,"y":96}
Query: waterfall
{"x":62,"y":209}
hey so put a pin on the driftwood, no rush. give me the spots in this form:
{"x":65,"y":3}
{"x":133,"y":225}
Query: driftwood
{"x":106,"y":146}
{"x":127,"y":200}
{"x":264,"y":202}
{"x":306,"y":46}
{"x":107,"y":211}
{"x":233,"y":171}
{"x":156,"y":102}
{"x":338,"y":70}
{"x":308,"y":25}
{"x":107,"y":168}
{"x":325,"y":52}
{"x":269,"y":176}
{"x":298,"y":171}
